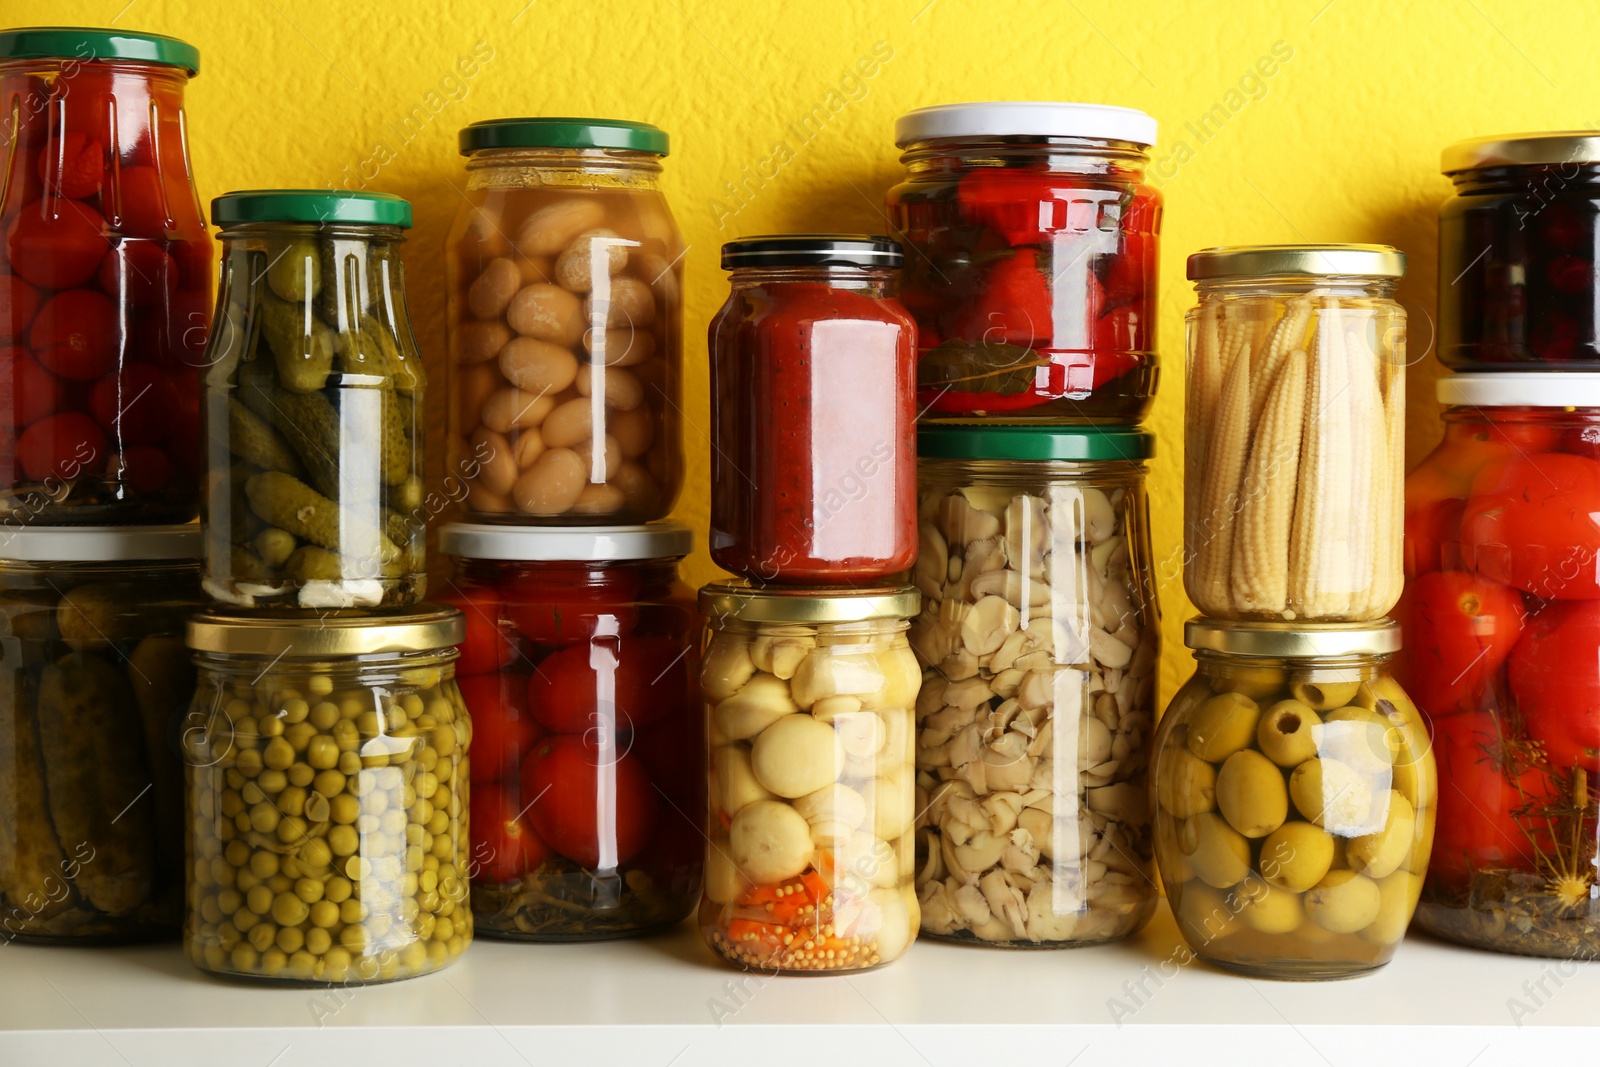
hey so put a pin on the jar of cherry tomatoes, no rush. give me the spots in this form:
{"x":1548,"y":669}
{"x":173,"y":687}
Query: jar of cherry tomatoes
{"x":105,"y":279}
{"x":1517,"y":248}
{"x":1501,"y":613}
{"x":813,"y":458}
{"x":565,"y":279}
{"x":809,"y":696}
{"x":588,"y":778}
{"x":1032,"y":272}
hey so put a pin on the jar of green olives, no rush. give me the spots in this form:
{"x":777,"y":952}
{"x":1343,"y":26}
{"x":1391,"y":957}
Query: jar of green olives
{"x":313,"y":393}
{"x":1295,"y":795}
{"x":93,"y":680}
{"x":327,"y":793}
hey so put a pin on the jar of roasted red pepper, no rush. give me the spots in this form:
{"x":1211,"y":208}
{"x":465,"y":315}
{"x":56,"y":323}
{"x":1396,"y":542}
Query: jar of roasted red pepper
{"x":588,"y":758}
{"x":1501,"y":617}
{"x":1517,"y":248}
{"x":813,"y":455}
{"x":105,"y":279}
{"x":1033,"y":268}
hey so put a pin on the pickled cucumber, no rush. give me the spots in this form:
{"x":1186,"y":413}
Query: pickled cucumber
{"x":294,"y":271}
{"x":274,"y":546}
{"x":252,"y":438}
{"x":302,"y":345}
{"x":95,"y":781}
{"x":312,"y":564}
{"x":33,"y":865}
{"x":286,"y":502}
{"x":161,"y":674}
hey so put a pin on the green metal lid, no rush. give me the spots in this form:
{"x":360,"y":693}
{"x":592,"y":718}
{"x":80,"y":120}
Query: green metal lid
{"x":563,"y":133}
{"x":317,"y":206}
{"x":1085,"y":444}
{"x":87,"y":45}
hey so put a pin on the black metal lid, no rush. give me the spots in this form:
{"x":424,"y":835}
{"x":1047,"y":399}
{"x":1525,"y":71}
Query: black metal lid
{"x":812,"y":250}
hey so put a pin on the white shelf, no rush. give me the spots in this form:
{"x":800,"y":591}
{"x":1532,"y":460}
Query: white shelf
{"x":650,"y":1003}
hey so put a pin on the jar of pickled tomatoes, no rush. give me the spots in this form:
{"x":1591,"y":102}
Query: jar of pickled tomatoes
{"x":1031,"y":265}
{"x":105,"y":279}
{"x":1501,"y":615}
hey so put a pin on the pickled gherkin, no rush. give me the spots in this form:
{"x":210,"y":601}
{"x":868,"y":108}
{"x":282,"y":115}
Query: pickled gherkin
{"x":313,"y":407}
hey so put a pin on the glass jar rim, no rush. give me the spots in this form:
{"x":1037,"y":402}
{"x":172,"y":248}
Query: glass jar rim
{"x":1085,"y":444}
{"x":315,"y":206}
{"x":564,"y":132}
{"x":766,"y":251}
{"x":1519,"y":389}
{"x":747,"y":602}
{"x":1553,"y":148}
{"x":87,"y":44}
{"x":568,"y":544}
{"x":1292,"y":640}
{"x":101,"y":544}
{"x":285,"y":634}
{"x":1026,"y":118}
{"x":1296,"y":260}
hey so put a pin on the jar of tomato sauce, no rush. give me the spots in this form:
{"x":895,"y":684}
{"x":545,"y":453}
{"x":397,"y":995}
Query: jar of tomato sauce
{"x":1517,"y":247}
{"x":1501,"y":615}
{"x":588,"y":758}
{"x":1033,"y":278}
{"x":813,"y":455}
{"x":105,"y":279}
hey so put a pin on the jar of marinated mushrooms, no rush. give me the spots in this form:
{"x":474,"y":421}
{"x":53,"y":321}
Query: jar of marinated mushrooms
{"x":564,"y":284}
{"x":313,"y":406}
{"x":588,"y":750}
{"x":1039,"y":640}
{"x":1295,"y":794}
{"x":1294,"y":435}
{"x":327,"y":782}
{"x":93,"y":680}
{"x":809,"y":696}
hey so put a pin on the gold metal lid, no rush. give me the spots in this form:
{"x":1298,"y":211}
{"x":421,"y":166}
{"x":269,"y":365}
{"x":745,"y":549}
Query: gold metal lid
{"x":1291,"y":640}
{"x":1254,"y":261}
{"x":807,"y":604}
{"x":295,"y":635}
{"x":1522,"y":150}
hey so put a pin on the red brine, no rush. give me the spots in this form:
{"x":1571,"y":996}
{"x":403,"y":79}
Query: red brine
{"x":813,"y":459}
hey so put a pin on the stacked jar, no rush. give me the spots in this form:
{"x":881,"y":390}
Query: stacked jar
{"x":1294,"y":787}
{"x":326,"y":745}
{"x":580,"y":661}
{"x":1031,"y":271}
{"x":105,"y":278}
{"x":1500,"y":605}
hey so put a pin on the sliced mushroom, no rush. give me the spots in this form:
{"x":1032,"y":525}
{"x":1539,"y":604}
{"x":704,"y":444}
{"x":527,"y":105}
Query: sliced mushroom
{"x":988,"y":624}
{"x":1018,"y":591}
{"x":829,"y":672}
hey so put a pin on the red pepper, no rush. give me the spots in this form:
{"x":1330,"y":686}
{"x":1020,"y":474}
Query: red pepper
{"x":1014,"y":305}
{"x":1023,"y":204}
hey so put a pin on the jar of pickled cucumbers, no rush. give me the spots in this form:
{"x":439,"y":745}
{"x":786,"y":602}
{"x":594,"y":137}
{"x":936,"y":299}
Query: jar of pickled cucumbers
{"x":105,"y":279}
{"x":1039,"y":639}
{"x":1294,"y":434}
{"x":1031,"y":260}
{"x":313,"y":410}
{"x":1502,"y":627}
{"x":809,"y":696}
{"x":93,"y":680}
{"x":564,"y":287}
{"x":588,"y":753}
{"x":1294,"y":794}
{"x":327,"y":794}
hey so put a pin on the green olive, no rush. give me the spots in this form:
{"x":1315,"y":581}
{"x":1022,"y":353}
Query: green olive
{"x":1204,"y":914}
{"x":1174,"y":865}
{"x":1323,"y":694}
{"x":1265,"y":908}
{"x":1285,"y":734}
{"x":1218,"y":853}
{"x":1380,"y":854}
{"x":1343,"y":902}
{"x":1296,"y":856}
{"x":1251,"y":794}
{"x":1222,"y":726}
{"x":1397,"y":900}
{"x":1257,"y":683}
{"x":1185,"y":784}
{"x":1415,"y":774}
{"x":1332,"y":795}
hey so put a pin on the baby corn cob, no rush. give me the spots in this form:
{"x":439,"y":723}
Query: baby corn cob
{"x":1391,"y":520}
{"x":1367,"y":449}
{"x":1210,"y":528}
{"x":1260,"y":575}
{"x":1286,"y":335}
{"x":1319,"y":583}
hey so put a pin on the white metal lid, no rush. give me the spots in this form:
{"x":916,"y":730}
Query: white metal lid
{"x":577,"y":544}
{"x":91,"y":544}
{"x":1520,"y":389}
{"x":1026,"y":118}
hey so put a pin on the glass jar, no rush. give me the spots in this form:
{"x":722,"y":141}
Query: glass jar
{"x":105,"y":279}
{"x":813,"y":401}
{"x":1517,"y":244}
{"x":327,"y":776}
{"x":94,"y":677}
{"x":313,"y":406}
{"x":1033,"y":268}
{"x":1502,"y":625}
{"x":588,"y":760}
{"x":1294,"y":455}
{"x":808,"y":697}
{"x":1295,"y":794}
{"x":1039,"y":685}
{"x":565,"y":289}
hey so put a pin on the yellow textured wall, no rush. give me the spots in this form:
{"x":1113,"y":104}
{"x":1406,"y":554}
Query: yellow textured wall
{"x":1340,"y":143}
